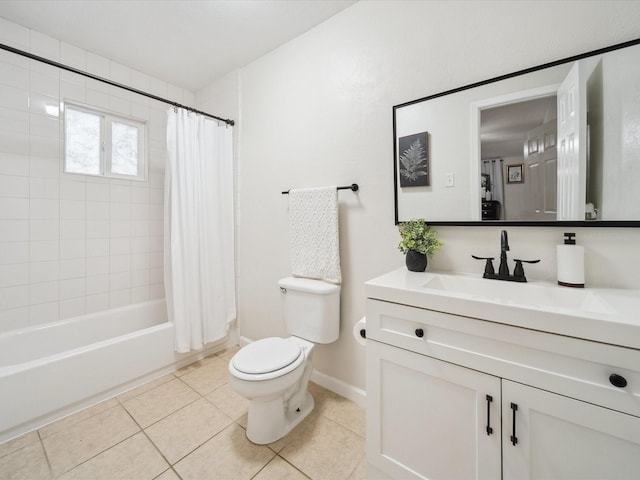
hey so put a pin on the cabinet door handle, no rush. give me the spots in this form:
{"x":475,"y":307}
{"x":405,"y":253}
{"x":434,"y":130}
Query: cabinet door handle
{"x":514,"y":439}
{"x":419,"y":332}
{"x":489,"y":400}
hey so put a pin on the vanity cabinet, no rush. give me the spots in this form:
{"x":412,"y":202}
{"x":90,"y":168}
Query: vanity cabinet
{"x":450,"y":396}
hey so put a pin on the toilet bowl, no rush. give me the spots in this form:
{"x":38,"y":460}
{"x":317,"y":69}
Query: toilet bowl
{"x":273,"y":374}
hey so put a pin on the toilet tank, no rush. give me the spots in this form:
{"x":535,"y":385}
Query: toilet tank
{"x":311,"y":309}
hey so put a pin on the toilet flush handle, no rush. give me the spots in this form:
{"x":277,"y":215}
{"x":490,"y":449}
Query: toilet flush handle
{"x":283,"y":290}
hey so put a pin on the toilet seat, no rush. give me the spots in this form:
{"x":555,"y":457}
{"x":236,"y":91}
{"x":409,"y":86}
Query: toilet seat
{"x":267,"y":358}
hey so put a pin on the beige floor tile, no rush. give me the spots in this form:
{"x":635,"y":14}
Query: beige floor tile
{"x":145,"y":388}
{"x":229,"y":454}
{"x":168,"y":475}
{"x":27,"y":463}
{"x":70,"y":420}
{"x":208,"y":377}
{"x":17,"y":443}
{"x":278,"y":469}
{"x":324,"y":449}
{"x":83,"y":440}
{"x":135,"y":458}
{"x":339,"y":409}
{"x":185,"y":430}
{"x":227,"y":400}
{"x":360,"y":472}
{"x":228,"y":352}
{"x":194,"y":365}
{"x":153,"y":405}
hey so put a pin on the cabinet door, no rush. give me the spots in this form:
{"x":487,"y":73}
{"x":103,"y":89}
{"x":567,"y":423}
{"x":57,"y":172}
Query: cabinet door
{"x":428,"y":419}
{"x":557,"y":437}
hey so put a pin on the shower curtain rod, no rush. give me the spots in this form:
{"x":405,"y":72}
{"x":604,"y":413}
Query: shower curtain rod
{"x":109,"y":82}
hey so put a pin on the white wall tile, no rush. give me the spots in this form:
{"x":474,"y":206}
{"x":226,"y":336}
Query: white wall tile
{"x":97,"y":210}
{"x":75,"y":189}
{"x":45,"y":147}
{"x":14,"y":230}
{"x":140,"y":261}
{"x":119,"y":228}
{"x":119,"y":263}
{"x":97,"y":284}
{"x":44,"y":313}
{"x":73,"y":248}
{"x":97,"y":247}
{"x":14,"y":98}
{"x":14,"y":186}
{"x":97,"y":266}
{"x":73,"y":209}
{"x":45,"y":84}
{"x":72,"y":288}
{"x":44,"y":271}
{"x":41,"y":104}
{"x":73,"y":56}
{"x":72,"y":268}
{"x":43,"y":292}
{"x":97,"y":228}
{"x":98,"y":99}
{"x":119,"y":298}
{"x":140,"y":294}
{"x":43,"y":209}
{"x":73,"y":229}
{"x":156,"y":291}
{"x":140,"y":228}
{"x":119,"y":211}
{"x":43,"y":229}
{"x":14,"y":275}
{"x":11,"y":164}
{"x":14,"y":208}
{"x":14,"y":121}
{"x":156,"y":275}
{"x":15,"y":318}
{"x":96,"y":303}
{"x":41,"y":126}
{"x":44,"y":188}
{"x":120,"y":280}
{"x":156,"y":259}
{"x":44,"y":167}
{"x":14,"y":252}
{"x":97,"y":192}
{"x":73,"y":307}
{"x":119,"y":246}
{"x":120,"y":193}
{"x":139,"y":278}
{"x":15,"y":35}
{"x":44,"y":46}
{"x":14,"y":297}
{"x":44,"y":251}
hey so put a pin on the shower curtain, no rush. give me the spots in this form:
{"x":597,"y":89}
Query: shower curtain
{"x":199,"y":234}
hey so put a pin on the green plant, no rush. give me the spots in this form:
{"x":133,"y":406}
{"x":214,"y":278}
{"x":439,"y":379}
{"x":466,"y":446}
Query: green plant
{"x":417,"y":235}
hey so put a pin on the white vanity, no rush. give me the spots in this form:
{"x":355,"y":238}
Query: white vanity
{"x":472,"y":378}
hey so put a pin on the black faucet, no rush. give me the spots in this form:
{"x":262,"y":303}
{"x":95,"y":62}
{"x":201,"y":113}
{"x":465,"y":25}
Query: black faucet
{"x":504,"y":248}
{"x":503,"y":269}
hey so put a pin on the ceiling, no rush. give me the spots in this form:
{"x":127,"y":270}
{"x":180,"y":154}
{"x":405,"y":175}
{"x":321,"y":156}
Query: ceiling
{"x":189,"y":43}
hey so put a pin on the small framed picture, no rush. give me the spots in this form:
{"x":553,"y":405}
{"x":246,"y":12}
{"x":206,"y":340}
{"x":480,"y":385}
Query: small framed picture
{"x":515,"y":174}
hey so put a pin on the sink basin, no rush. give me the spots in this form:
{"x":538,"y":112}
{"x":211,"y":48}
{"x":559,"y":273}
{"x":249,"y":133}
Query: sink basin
{"x":541,"y":296}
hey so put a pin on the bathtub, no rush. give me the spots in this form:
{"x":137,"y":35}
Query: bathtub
{"x":52,"y":370}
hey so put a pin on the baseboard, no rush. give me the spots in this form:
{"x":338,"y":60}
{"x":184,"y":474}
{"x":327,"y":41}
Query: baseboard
{"x":355,"y":394}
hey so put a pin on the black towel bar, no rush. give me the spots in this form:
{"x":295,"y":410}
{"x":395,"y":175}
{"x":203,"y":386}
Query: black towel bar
{"x":353,"y":187}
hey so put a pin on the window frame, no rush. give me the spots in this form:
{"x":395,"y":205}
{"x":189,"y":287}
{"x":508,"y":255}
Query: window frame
{"x":107,"y":119}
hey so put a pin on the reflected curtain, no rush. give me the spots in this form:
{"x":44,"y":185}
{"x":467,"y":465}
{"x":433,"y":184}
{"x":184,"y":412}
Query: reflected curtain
{"x":494,"y":168}
{"x":199,"y":229}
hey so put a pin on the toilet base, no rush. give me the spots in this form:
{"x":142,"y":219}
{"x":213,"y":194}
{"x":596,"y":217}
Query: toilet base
{"x":269,"y":421}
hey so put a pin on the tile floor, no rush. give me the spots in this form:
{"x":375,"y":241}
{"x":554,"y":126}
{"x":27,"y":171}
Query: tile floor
{"x":189,"y":425}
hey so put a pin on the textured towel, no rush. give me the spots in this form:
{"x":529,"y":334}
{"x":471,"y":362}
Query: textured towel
{"x":313,"y":233}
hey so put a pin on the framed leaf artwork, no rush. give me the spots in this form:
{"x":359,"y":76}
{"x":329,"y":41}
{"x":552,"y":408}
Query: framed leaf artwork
{"x":413,"y":160}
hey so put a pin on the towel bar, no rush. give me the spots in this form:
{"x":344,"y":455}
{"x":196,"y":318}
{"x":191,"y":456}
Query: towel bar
{"x":353,"y":187}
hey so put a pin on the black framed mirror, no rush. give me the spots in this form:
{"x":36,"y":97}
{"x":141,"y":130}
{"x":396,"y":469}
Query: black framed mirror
{"x":553,"y":145}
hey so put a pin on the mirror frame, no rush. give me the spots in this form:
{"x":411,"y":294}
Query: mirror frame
{"x":499,"y":223}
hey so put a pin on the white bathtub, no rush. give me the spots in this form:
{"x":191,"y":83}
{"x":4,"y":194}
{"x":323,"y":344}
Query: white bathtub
{"x":52,"y":370}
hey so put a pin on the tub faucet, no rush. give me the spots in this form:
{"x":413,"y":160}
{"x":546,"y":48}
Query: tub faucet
{"x":504,"y":248}
{"x":503,"y":269}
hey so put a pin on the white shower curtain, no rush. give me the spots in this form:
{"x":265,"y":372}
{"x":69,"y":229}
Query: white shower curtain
{"x":199,"y":234}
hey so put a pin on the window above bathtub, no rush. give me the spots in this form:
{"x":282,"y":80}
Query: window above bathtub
{"x":101,"y":143}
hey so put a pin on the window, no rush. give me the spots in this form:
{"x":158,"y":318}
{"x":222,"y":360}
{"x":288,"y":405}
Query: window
{"x":100,"y":143}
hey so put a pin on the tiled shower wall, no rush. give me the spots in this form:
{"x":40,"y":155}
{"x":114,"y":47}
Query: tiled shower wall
{"x":73,"y":244}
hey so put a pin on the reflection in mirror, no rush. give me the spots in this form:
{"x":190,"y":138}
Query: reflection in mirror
{"x":550,"y":145}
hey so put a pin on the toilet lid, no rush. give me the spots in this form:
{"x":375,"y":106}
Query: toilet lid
{"x":266,"y":355}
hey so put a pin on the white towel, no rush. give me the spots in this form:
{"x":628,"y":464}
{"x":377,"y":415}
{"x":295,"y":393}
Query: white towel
{"x":313,"y":233}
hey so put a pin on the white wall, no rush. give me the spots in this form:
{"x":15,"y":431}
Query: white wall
{"x":317,"y":111}
{"x":73,"y":244}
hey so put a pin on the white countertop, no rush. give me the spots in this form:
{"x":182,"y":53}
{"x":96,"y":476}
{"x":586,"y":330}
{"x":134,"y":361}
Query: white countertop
{"x":603,"y":315}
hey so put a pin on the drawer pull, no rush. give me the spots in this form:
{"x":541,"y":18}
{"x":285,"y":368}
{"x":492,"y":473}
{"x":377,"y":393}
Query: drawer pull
{"x":514,"y":438}
{"x":617,"y":380}
{"x":419,"y":332}
{"x":489,"y":400}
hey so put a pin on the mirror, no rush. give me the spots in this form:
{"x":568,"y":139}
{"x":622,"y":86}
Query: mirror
{"x":553,"y":145}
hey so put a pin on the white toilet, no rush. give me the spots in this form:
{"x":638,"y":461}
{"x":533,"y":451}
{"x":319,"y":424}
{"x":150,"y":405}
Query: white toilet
{"x":273,"y":373}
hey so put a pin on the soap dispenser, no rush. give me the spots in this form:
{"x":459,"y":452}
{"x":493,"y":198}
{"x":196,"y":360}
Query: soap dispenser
{"x":570,"y":263}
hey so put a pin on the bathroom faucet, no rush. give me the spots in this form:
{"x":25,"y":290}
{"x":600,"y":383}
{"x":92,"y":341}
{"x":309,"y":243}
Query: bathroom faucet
{"x":503,"y":269}
{"x":504,"y":248}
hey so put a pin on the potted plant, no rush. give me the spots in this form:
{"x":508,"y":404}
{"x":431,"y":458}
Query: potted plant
{"x":417,"y":241}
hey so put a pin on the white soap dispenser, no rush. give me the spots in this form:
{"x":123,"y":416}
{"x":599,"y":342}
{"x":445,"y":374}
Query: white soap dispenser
{"x":570,"y":263}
